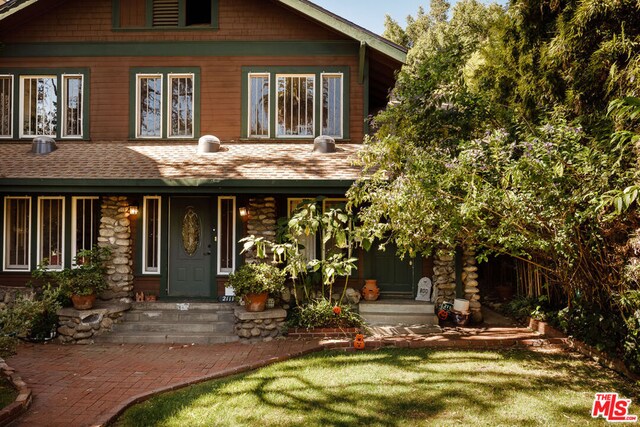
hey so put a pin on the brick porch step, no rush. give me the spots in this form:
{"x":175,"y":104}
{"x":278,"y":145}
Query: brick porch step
{"x":175,"y":323}
{"x":389,"y":312}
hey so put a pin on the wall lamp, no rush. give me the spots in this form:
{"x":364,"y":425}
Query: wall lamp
{"x":133,"y":210}
{"x":244,"y":213}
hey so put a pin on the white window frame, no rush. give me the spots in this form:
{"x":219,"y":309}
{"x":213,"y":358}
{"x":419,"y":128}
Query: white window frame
{"x":342,"y":98}
{"x":311,"y":254}
{"x":139,"y":77}
{"x":313,"y":122}
{"x":5,"y":263}
{"x":169,"y":94}
{"x":21,"y":103}
{"x":268,"y":76}
{"x":144,"y":234}
{"x":219,"y":269}
{"x":39,"y":257}
{"x":74,"y":218}
{"x":63,"y":130}
{"x":11,"y":104}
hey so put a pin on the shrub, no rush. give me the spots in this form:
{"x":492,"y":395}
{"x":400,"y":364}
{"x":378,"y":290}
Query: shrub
{"x":257,"y":278}
{"x":321,"y":314}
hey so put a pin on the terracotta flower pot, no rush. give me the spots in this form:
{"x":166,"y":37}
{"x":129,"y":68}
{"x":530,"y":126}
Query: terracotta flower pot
{"x":370,"y":291}
{"x":255,"y":302}
{"x":83,"y":302}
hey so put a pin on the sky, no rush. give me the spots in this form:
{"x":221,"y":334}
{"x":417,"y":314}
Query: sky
{"x":370,"y":13}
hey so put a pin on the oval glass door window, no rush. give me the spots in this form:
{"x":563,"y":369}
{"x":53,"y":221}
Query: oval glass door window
{"x":190,"y":231}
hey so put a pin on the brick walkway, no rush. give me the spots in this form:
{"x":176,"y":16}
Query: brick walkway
{"x":88,"y":385}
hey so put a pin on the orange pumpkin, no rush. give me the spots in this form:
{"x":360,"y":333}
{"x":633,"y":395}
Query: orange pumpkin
{"x":337,"y":310}
{"x":358,"y":343}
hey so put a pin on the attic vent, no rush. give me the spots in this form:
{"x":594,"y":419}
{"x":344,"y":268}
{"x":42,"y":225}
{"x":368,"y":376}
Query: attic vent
{"x":165,"y":13}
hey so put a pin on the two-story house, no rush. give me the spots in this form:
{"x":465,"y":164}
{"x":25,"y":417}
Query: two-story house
{"x":128,"y":87}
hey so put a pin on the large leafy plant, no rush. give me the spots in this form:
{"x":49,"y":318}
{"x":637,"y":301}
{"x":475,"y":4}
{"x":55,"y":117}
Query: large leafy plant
{"x":256,"y":279}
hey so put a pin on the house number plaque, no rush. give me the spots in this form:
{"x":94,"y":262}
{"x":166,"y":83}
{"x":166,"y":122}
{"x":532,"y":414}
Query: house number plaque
{"x":190,"y":231}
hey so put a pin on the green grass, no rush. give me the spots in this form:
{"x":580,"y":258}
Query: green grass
{"x":395,"y":387}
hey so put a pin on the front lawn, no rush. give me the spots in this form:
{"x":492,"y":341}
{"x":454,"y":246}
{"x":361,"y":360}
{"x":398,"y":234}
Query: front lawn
{"x":395,"y":387}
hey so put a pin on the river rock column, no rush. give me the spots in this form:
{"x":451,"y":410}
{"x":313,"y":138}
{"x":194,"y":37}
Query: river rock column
{"x":470,"y":282}
{"x":115,"y":234}
{"x":261,"y":223}
{"x":444,"y":276}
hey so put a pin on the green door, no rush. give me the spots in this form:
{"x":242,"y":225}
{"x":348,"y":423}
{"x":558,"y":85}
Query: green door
{"x":191,"y":247}
{"x":395,"y":276}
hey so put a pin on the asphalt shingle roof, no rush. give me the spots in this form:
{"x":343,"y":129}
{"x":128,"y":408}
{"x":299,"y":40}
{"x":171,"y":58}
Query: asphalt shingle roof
{"x":168,"y":160}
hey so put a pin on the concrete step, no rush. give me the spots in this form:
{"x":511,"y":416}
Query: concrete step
{"x":191,"y":316}
{"x":185,"y":306}
{"x":177,"y":327}
{"x":165,"y":338}
{"x":398,"y":312}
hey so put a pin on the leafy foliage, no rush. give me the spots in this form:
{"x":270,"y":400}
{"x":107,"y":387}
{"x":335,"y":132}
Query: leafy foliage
{"x":256,"y":279}
{"x":322,"y":314}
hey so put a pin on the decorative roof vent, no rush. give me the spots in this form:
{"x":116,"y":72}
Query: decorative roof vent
{"x":43,"y":145}
{"x":208,"y":144}
{"x":324,"y":144}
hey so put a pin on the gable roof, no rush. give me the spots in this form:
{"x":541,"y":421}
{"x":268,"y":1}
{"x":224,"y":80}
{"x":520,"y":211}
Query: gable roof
{"x":304,"y":7}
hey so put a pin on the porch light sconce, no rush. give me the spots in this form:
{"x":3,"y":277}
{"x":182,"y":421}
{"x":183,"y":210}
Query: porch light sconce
{"x":133,"y":210}
{"x":244,"y":214}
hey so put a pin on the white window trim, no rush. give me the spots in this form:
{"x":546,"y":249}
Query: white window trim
{"x":39,"y":230}
{"x":5,"y":264}
{"x":268,"y":135}
{"x":144,"y":234}
{"x":21,"y":103}
{"x":226,"y":272}
{"x":315,"y":88}
{"x":11,"y":109}
{"x":137,"y":106}
{"x":74,"y":218}
{"x":63,"y":104}
{"x":171,"y":76}
{"x":342,"y":97}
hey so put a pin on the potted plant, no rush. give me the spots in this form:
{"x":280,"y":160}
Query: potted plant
{"x":254,"y":282}
{"x":84,"y":282}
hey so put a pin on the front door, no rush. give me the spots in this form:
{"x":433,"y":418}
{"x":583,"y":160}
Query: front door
{"x":191,"y":247}
{"x":395,"y":276}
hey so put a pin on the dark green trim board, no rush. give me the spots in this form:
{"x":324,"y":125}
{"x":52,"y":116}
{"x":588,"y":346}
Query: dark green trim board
{"x":80,"y":187}
{"x":362,"y":61}
{"x":17,"y":73}
{"x":366,"y":83}
{"x":164,"y":246}
{"x":182,"y":8}
{"x":166,"y":105}
{"x":273,"y":72}
{"x":180,"y":49}
{"x":115,"y":14}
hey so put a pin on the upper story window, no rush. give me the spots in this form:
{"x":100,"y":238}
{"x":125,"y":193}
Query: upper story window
{"x":6,"y":106}
{"x":295,"y":105}
{"x":302,"y":104}
{"x":50,"y":103}
{"x":164,"y":105}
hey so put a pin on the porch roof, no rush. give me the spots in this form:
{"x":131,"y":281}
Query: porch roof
{"x":175,"y":164}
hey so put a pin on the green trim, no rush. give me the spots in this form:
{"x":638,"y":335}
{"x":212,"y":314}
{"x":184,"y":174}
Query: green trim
{"x":347,"y":28}
{"x":79,"y":187}
{"x":164,"y":71}
{"x":115,"y":13}
{"x":362,"y":61}
{"x":317,"y":72}
{"x":366,"y":96}
{"x":58,"y":72}
{"x":180,"y":49}
{"x":16,"y":9}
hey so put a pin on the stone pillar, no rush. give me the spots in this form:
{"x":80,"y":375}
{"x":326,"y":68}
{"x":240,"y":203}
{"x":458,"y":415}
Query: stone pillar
{"x":470,"y":282}
{"x":115,"y":234}
{"x":444,"y":276}
{"x":262,"y":222}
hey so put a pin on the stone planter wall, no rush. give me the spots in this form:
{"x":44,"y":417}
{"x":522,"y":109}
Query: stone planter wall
{"x":470,"y":282}
{"x":261,"y":326}
{"x":262,"y":222}
{"x":444,"y":277}
{"x":81,"y":326}
{"x":8,"y":295}
{"x":115,"y":233}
